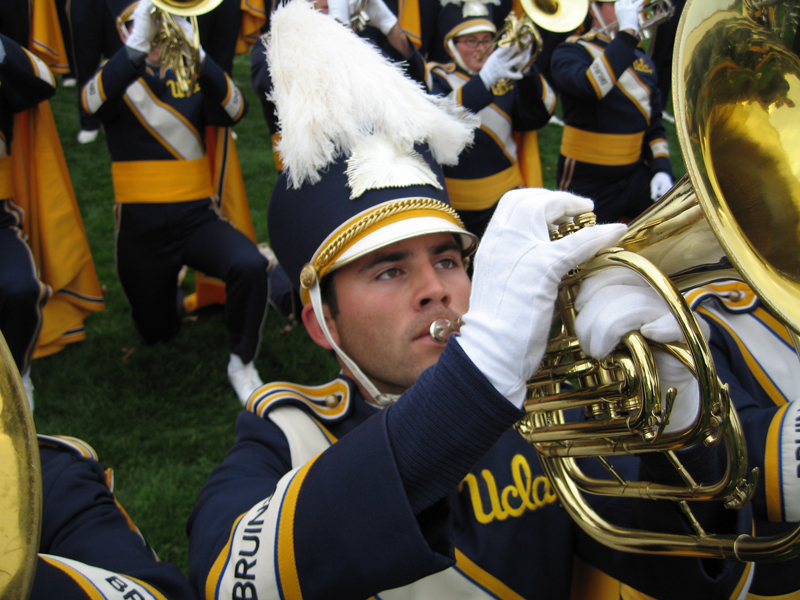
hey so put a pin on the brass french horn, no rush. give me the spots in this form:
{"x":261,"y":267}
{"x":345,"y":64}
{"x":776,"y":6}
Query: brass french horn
{"x":736,"y":87}
{"x":176,"y":50}
{"x":735,"y":215}
{"x":20,"y":484}
{"x":522,"y":33}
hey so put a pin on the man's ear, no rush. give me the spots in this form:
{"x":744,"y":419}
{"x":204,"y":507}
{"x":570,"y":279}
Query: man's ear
{"x":314,"y":328}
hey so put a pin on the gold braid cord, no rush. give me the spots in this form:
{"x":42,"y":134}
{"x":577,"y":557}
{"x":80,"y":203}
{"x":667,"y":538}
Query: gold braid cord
{"x":383,"y":212}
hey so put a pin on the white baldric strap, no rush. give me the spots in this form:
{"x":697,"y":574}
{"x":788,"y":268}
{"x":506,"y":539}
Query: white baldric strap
{"x":377,"y":398}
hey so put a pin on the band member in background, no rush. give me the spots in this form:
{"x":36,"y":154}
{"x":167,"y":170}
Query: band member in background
{"x":402,"y":472}
{"x":166,"y":212}
{"x":492,"y":84}
{"x":614,"y":148}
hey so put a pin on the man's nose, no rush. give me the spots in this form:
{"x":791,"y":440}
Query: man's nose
{"x":430,"y":288}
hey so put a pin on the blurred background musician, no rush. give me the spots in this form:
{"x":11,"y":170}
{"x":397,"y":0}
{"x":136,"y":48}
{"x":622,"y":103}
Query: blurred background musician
{"x":614,"y":147}
{"x":166,"y":207}
{"x":491,"y":83}
{"x":49,"y":264}
{"x":94,"y":37}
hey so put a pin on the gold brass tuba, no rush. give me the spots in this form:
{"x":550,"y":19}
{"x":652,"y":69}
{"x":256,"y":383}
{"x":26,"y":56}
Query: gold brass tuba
{"x":736,"y":89}
{"x":21,"y":485}
{"x":176,"y":50}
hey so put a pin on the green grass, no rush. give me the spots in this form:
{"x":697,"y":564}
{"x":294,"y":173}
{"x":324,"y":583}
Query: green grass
{"x":162,"y":416}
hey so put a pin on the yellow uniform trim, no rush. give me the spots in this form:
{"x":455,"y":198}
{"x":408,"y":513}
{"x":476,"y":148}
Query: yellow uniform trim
{"x":265,"y":396}
{"x":772,"y":467}
{"x":484,"y":579}
{"x":6,"y":177}
{"x":790,"y":596}
{"x":608,"y":149}
{"x":590,"y":583}
{"x":287,"y":567}
{"x":161,"y":180}
{"x":777,"y":327}
{"x":85,"y":584}
{"x":478,"y":194}
{"x":763,"y":380}
{"x":216,"y":570}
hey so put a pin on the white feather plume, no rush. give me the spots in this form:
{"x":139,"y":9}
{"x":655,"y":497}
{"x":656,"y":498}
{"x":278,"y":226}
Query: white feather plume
{"x":332,"y":89}
{"x":377,"y":162}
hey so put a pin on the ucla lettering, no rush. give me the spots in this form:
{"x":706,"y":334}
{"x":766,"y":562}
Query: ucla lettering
{"x":176,"y":92}
{"x":526,"y":493}
{"x":641,"y":65}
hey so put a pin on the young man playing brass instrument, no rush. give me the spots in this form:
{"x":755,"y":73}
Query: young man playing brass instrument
{"x":401,"y":477}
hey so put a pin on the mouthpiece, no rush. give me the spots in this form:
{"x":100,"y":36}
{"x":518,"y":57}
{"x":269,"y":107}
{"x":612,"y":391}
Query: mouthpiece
{"x":442,"y":328}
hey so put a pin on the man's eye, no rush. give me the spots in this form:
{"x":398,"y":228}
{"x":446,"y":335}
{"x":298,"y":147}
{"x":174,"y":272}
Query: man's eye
{"x":447,"y":263}
{"x":389,"y":273}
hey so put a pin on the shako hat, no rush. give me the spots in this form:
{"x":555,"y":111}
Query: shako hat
{"x":461,"y":17}
{"x":361,"y":145}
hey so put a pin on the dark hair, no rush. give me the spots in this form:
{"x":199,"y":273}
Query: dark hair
{"x":328,"y":293}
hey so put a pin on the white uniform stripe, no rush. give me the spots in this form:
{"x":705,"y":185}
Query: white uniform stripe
{"x":778,"y":360}
{"x":107,"y":584}
{"x":235,"y":102}
{"x":548,"y":96}
{"x":660,"y":148}
{"x":165,"y":123}
{"x":601,"y":75}
{"x":494,"y":121}
{"x":636,"y":91}
{"x":42,"y":70}
{"x":790,"y":462}
{"x":251,"y":567}
{"x":92,"y":97}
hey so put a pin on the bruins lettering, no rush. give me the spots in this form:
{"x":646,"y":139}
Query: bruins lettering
{"x":244,"y":567}
{"x":526,"y":493}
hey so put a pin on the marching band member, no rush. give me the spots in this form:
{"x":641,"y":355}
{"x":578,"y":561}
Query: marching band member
{"x":166,"y":212}
{"x":89,"y":546}
{"x":401,"y":476}
{"x":614,"y":147}
{"x":25,"y":81}
{"x":487,"y":82}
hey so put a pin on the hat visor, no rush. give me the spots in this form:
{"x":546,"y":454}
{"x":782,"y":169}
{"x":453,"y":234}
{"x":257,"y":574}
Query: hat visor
{"x":403,"y":230}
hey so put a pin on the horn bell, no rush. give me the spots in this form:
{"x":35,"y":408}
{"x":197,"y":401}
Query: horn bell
{"x":187,"y":8}
{"x":559,"y":16}
{"x":20,"y":482}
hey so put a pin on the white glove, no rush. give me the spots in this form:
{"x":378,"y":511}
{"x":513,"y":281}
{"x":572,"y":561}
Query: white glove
{"x":380,"y":16}
{"x":188,"y":31}
{"x":660,"y":185}
{"x":143,"y":31}
{"x":514,"y":288}
{"x":502,"y":64}
{"x":340,"y":10}
{"x":616,"y":301}
{"x":628,"y":14}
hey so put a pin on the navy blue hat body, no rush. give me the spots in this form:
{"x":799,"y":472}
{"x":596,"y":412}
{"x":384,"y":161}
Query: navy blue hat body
{"x":300,"y":220}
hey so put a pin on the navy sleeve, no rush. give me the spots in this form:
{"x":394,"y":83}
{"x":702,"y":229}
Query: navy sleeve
{"x":82,"y":522}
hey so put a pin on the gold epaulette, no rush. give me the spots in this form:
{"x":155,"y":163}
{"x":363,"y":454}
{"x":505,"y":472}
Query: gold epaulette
{"x":328,"y":402}
{"x":734,"y":296}
{"x":72,"y":444}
